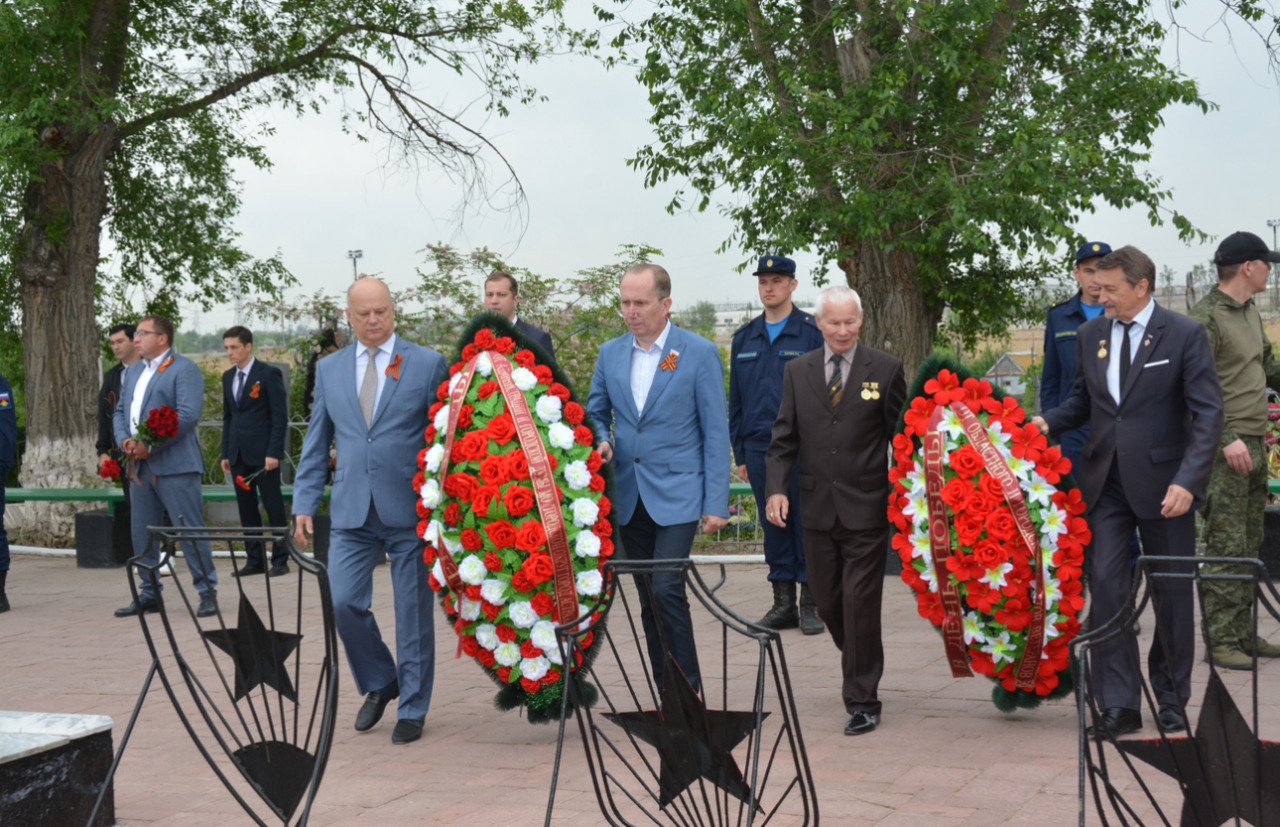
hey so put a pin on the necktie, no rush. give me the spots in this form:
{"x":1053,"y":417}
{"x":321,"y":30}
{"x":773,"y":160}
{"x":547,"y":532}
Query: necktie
{"x":1125,"y":358}
{"x":369,"y":387}
{"x":239,"y":384}
{"x":836,"y":386}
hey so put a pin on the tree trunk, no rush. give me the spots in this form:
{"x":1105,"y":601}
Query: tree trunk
{"x":896,"y":318}
{"x":57,"y":259}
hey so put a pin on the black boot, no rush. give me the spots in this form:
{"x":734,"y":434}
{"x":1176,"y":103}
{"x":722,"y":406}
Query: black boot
{"x":4,"y":600}
{"x":810,"y":623}
{"x":783,"y":615}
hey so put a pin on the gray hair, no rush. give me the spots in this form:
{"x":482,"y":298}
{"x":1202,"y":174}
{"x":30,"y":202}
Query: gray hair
{"x":837,"y":294}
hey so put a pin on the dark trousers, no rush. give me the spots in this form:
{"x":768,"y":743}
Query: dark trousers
{"x":846,"y":576}
{"x":4,"y":535}
{"x":1114,"y":665}
{"x":783,"y":547}
{"x":644,"y":539}
{"x":268,"y":485}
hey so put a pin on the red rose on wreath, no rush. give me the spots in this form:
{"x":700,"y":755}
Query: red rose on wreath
{"x":501,"y":429}
{"x":518,"y":463}
{"x":967,"y":462}
{"x":531,"y":537}
{"x":538,"y":568}
{"x":501,"y":533}
{"x":452,"y":514}
{"x":494,"y":471}
{"x":461,"y":486}
{"x":519,"y":501}
{"x":484,"y":497}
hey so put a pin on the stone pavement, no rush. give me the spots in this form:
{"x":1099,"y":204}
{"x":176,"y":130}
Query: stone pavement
{"x":943,"y":754}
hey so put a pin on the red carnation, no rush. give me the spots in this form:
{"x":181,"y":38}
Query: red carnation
{"x":551,"y":678}
{"x":421,"y":508}
{"x":471,"y":539}
{"x":528,"y":650}
{"x":486,"y":659}
{"x":464,"y":416}
{"x":518,"y":500}
{"x":469,"y":353}
{"x":520,"y":582}
{"x":544,"y":374}
{"x":506,"y":634}
{"x":573,"y":413}
{"x":504,"y":674}
{"x":429,"y":434}
{"x":485,"y":339}
{"x":472,"y":592}
{"x":492,"y":562}
{"x":583,"y":435}
{"x":504,"y":345}
{"x":418,"y":479}
{"x":594,"y":462}
{"x":442,"y":392}
{"x":490,"y":611}
{"x":487,"y":389}
{"x":531,"y":536}
{"x":454,"y":370}
{"x":605,"y":506}
{"x":452,"y":514}
{"x":530,"y":686}
{"x":606,"y":548}
{"x":559,"y":391}
{"x":437,"y":407}
{"x":525,"y":359}
{"x":597,"y":483}
{"x":501,"y":533}
{"x":429,"y":556}
{"x":602,"y":528}
{"x":470,"y":648}
{"x":241,"y":484}
{"x":543,"y":604}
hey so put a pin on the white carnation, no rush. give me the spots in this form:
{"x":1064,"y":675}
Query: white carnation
{"x":560,"y":436}
{"x":585,"y":513}
{"x":434,"y":454}
{"x":535,"y":669}
{"x":431,"y":493}
{"x":543,"y":635}
{"x":548,"y":408}
{"x":507,"y":654}
{"x":524,"y":379}
{"x":484,"y":365}
{"x":494,"y":591}
{"x":470,"y":609}
{"x":587,"y":545}
{"x":442,"y":417}
{"x":451,"y":544}
{"x":589,"y":583}
{"x":472,"y":570}
{"x":577,"y":475}
{"x":522,"y":614}
{"x":487,"y":636}
{"x":437,"y":571}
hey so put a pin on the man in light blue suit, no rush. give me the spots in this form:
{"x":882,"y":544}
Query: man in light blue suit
{"x":372,"y":397}
{"x":165,"y":477}
{"x":661,"y":389}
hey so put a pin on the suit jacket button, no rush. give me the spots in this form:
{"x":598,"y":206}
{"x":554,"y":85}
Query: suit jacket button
{"x":833,"y":450}
{"x":370,"y":439}
{"x":637,"y":460}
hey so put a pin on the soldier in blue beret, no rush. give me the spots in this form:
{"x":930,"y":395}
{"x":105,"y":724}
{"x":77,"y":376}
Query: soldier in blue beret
{"x":760,"y":351}
{"x":8,"y":452}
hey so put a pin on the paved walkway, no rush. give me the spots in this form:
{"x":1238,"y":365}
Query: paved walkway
{"x":942,"y":756}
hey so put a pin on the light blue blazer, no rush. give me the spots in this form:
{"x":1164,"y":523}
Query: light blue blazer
{"x":676,"y":454}
{"x":376,"y":463}
{"x":181,"y":387}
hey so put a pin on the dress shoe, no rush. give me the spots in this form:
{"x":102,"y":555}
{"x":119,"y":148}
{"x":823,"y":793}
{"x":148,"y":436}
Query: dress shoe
{"x":374,"y":705}
{"x":1116,"y":721}
{"x":1261,"y":647}
{"x":247,"y":570}
{"x":1171,"y":718}
{"x":407,"y":731}
{"x":1228,"y":657}
{"x":208,"y":605}
{"x":278,"y":570}
{"x":861,"y":722}
{"x":137,"y":607}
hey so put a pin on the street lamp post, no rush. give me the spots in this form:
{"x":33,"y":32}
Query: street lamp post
{"x":1273,"y":223}
{"x":355,"y":255}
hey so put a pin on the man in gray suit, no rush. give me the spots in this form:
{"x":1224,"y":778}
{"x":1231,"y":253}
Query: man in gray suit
{"x":1147,"y":387}
{"x":372,"y":397}
{"x":165,"y":477}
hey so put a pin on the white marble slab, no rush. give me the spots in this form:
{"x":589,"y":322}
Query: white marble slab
{"x":29,"y":733}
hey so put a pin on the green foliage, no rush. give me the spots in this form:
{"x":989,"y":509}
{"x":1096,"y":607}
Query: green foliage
{"x":942,"y":144}
{"x":700,"y":319}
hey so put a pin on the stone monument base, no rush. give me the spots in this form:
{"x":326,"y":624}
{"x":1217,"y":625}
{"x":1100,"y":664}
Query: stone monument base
{"x":52,"y":768}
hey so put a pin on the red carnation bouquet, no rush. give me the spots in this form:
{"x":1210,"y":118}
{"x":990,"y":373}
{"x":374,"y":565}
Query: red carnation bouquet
{"x":109,"y":470}
{"x":991,"y":534}
{"x":515,"y":516}
{"x":160,"y":425}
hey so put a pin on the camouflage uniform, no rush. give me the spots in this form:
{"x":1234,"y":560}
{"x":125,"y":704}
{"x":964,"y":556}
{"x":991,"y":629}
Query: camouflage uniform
{"x":1235,"y":502}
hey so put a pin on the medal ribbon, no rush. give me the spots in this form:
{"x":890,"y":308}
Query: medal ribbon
{"x":1029,"y":664}
{"x":940,"y":548}
{"x":563,"y":582}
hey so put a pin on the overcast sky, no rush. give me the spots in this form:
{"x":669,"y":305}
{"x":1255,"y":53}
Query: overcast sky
{"x":329,"y":193}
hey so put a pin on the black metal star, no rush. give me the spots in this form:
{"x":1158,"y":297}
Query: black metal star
{"x":1225,"y":772}
{"x":259,"y":654}
{"x":692,"y":741}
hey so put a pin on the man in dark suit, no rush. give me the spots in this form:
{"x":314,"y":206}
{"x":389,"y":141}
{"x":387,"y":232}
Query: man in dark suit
{"x":501,"y":295}
{"x":8,"y":454}
{"x":1147,"y":386}
{"x":840,"y":405}
{"x":657,"y":397}
{"x":255,"y":419}
{"x":120,"y":338}
{"x":166,"y":476}
{"x":372,"y":398}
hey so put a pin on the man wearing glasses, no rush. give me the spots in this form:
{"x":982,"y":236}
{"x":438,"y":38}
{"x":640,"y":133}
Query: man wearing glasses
{"x":165,"y":477}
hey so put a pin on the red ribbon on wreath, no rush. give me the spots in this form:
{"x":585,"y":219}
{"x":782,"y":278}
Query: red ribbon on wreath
{"x":940,"y":544}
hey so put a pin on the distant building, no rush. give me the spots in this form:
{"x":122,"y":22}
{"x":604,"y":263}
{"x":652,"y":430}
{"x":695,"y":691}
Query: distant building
{"x":1009,"y":373}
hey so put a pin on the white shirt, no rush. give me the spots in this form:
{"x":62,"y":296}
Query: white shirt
{"x":1136,"y":332}
{"x":149,"y":369}
{"x":381,"y":361}
{"x":644,"y":366}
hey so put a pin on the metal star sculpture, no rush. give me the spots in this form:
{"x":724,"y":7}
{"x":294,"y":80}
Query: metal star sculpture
{"x":1225,"y":771}
{"x":693,"y":742}
{"x":259,"y":654}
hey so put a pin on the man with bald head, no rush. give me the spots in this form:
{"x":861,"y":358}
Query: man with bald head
{"x":372,"y":397}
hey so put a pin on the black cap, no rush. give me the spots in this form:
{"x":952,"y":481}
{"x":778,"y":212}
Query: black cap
{"x":1238,"y":248}
{"x":781,"y":265}
{"x":1092,"y":250}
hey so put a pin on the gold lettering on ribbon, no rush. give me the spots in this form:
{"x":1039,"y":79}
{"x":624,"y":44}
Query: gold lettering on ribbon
{"x":564,"y":585}
{"x":940,"y":549}
{"x":459,"y":393}
{"x":1029,"y":664}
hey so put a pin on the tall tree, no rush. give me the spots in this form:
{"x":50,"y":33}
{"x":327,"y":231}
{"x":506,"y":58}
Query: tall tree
{"x":937,"y":151}
{"x":131,"y":115}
